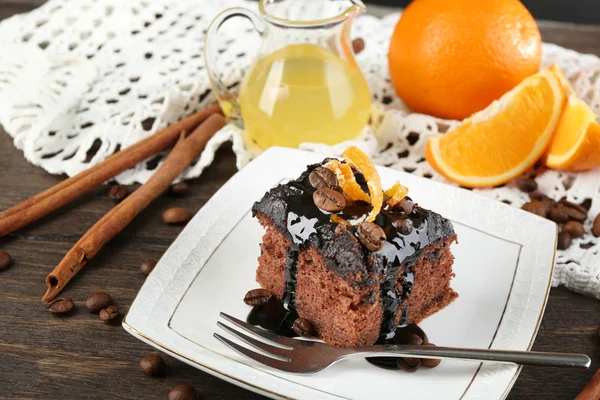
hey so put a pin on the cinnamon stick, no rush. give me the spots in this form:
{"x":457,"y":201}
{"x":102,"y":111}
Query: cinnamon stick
{"x":591,"y":391}
{"x":70,"y":189}
{"x":184,"y":152}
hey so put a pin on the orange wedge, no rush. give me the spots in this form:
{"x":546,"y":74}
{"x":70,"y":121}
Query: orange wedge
{"x":500,"y":142}
{"x":576,"y":142}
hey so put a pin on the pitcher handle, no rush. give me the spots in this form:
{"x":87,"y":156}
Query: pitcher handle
{"x":228,"y":101}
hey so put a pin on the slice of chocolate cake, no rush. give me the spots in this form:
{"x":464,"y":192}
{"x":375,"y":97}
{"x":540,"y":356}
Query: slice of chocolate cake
{"x":350,"y":258}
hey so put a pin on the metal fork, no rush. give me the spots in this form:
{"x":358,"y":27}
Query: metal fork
{"x":301,"y":356}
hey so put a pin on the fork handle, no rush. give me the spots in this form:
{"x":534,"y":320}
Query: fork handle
{"x":543,"y":359}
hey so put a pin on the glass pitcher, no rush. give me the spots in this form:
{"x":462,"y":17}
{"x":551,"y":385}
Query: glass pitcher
{"x":305,"y":85}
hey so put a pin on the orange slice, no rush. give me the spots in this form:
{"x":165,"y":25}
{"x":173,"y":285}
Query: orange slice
{"x":347,"y":181}
{"x":500,"y":142}
{"x":359,"y":160}
{"x":576,"y":142}
{"x":395,"y":194}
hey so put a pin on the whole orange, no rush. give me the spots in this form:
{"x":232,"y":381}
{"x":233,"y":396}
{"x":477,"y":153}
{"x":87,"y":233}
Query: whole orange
{"x":453,"y":58}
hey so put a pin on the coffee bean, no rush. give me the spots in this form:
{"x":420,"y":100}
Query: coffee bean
{"x":596,"y":226}
{"x":322,"y":177}
{"x":412,"y":339}
{"x":358,"y":45}
{"x":406,"y":205}
{"x":147,"y":266}
{"x":179,"y":189}
{"x":403,"y":225}
{"x":177,"y":215}
{"x":527,"y":185}
{"x":408,"y":364}
{"x":575,"y":212}
{"x":118,"y":193}
{"x":430,"y":362}
{"x":574,"y":228}
{"x":153,"y":365}
{"x":5,"y":260}
{"x":98,"y":301}
{"x":564,"y":241}
{"x":303,"y":327}
{"x":371,"y":236}
{"x":558,"y":214}
{"x":256,"y":297}
{"x":184,"y":392}
{"x":402,"y":333}
{"x":536,"y":207}
{"x":61,"y":305}
{"x":329,"y":200}
{"x":110,"y":314}
{"x":535,"y":195}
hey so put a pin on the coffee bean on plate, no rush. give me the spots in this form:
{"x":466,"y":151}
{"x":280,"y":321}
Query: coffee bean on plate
{"x":109,"y":314}
{"x":558,"y":214}
{"x":61,"y":305}
{"x":564,"y":240}
{"x":177,"y":215}
{"x":596,"y":226}
{"x":574,"y":228}
{"x":329,"y":200}
{"x":527,"y":185}
{"x":98,"y":301}
{"x":403,"y":225}
{"x":406,"y":205}
{"x":358,"y":45}
{"x":179,"y":189}
{"x":322,"y":177}
{"x":5,"y":260}
{"x":184,"y":392}
{"x":118,"y":193}
{"x":575,"y":212}
{"x":408,"y":364}
{"x":303,"y":327}
{"x":536,"y":207}
{"x":256,"y":297}
{"x":430,"y":362}
{"x":147,"y":266}
{"x":371,"y":236}
{"x":153,"y":365}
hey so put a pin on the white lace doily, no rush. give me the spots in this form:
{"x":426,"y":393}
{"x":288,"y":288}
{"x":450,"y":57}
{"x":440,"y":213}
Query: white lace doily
{"x":81,"y":79}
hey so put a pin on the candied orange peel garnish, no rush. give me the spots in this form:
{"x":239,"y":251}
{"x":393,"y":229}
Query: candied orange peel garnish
{"x":347,"y":181}
{"x":395,"y":194}
{"x":359,"y":160}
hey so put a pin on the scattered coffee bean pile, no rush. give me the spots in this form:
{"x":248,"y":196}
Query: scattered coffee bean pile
{"x":153,"y":365}
{"x":176,"y":216}
{"x":118,"y":193}
{"x":184,"y":392}
{"x":570,"y":215}
{"x":147,"y":266}
{"x":61,"y":305}
{"x":5,"y":260}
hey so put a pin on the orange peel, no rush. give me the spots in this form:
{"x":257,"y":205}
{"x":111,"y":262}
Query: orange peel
{"x":347,"y":181}
{"x":395,"y":194}
{"x":359,"y":160}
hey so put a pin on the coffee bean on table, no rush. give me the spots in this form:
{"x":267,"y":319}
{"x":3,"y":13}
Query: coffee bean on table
{"x":329,"y":200}
{"x":574,"y":211}
{"x":179,"y":189}
{"x":358,"y":45}
{"x":256,"y":297}
{"x":118,"y":193}
{"x":147,"y":266}
{"x":98,"y":301}
{"x":403,"y":225}
{"x":110,"y":314}
{"x":177,"y":215}
{"x":558,"y":214}
{"x":371,"y":236}
{"x":303,"y":327}
{"x":322,"y":177}
{"x":153,"y":365}
{"x":574,"y":228}
{"x":5,"y":260}
{"x":596,"y":226}
{"x":61,"y":305}
{"x":564,"y":240}
{"x":536,"y":207}
{"x":430,"y":362}
{"x":527,"y":185}
{"x":184,"y":392}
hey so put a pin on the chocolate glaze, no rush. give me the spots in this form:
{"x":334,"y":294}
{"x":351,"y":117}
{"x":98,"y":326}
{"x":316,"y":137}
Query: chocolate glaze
{"x":294,"y":213}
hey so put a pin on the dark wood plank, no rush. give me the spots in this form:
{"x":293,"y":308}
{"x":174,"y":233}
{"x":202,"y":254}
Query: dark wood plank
{"x":77,"y":357}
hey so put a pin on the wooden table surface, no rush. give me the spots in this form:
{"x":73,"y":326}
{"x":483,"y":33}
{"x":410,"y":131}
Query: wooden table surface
{"x":78,"y":357}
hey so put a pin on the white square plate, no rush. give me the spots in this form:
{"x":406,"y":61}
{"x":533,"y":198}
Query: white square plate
{"x":503,"y":268}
